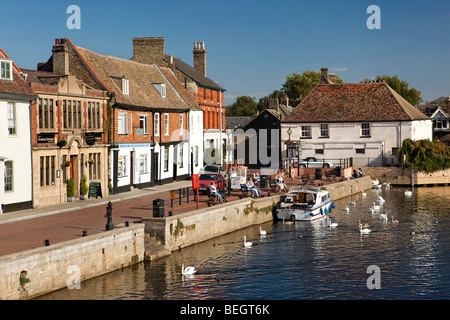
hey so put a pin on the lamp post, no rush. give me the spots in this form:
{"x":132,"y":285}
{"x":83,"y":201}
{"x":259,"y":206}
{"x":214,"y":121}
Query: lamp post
{"x":289,"y":132}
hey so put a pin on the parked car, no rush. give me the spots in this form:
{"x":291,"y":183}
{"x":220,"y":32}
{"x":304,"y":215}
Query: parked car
{"x":205,"y":180}
{"x":312,"y":162}
{"x":213,"y":168}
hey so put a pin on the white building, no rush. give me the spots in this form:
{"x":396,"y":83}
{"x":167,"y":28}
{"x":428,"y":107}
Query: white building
{"x":15,"y":138}
{"x":366,"y":122}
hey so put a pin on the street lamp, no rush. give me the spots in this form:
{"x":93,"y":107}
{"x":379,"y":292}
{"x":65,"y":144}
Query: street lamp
{"x":289,"y":132}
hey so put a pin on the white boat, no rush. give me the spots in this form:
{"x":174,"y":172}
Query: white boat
{"x":303,"y":203}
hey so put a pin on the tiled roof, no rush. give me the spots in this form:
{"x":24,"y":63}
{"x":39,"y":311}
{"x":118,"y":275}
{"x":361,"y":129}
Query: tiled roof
{"x":237,"y":122}
{"x":359,"y":102}
{"x":110,"y":70}
{"x":42,"y":77}
{"x":17,"y":86}
{"x":193,"y":73}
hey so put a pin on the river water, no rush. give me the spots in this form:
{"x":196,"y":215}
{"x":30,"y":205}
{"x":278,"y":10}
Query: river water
{"x":405,"y":260}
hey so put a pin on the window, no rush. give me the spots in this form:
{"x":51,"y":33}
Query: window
{"x":8,"y":176}
{"x":318,"y":151}
{"x":166,"y":124}
{"x":181,"y":161}
{"x":324,"y":130}
{"x":365,"y":129}
{"x":306,"y":132}
{"x":161,"y":88}
{"x":143,"y":163}
{"x":181,"y":124}
{"x":79,"y":114}
{"x":166,"y":159}
{"x":360,"y":151}
{"x":196,"y":156}
{"x":143,"y":124}
{"x":122,"y":166}
{"x":125,"y":86}
{"x":156,"y":124}
{"x":47,"y":170}
{"x":11,"y":118}
{"x":6,"y":70}
{"x":122,"y":123}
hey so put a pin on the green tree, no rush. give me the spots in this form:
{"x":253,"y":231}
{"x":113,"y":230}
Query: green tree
{"x":242,"y":106}
{"x":263,"y":102}
{"x":301,"y":84}
{"x":411,"y":95}
{"x":439,"y":101}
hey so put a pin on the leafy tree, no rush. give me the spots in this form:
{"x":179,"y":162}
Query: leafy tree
{"x":297,"y":84}
{"x":425,"y":155}
{"x":411,"y":95}
{"x":242,"y":106}
{"x":439,"y":101}
{"x":263,"y":102}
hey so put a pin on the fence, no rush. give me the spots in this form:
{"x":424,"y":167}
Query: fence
{"x":187,"y":194}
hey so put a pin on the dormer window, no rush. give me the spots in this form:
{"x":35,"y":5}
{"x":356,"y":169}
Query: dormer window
{"x":125,"y":86}
{"x":6,"y":70}
{"x":161,"y":88}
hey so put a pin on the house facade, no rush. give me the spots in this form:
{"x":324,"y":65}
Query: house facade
{"x":68,"y":129}
{"x":207,"y":94}
{"x":366,"y":122}
{"x":440,"y":115}
{"x":16,"y":101}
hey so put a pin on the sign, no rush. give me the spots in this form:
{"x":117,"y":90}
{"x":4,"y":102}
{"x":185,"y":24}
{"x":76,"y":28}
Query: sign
{"x":139,"y":131}
{"x":95,"y":190}
{"x":172,"y":195}
{"x":195,"y":181}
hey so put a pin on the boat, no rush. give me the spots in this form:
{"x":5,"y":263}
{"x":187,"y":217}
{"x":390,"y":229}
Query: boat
{"x":304,"y":203}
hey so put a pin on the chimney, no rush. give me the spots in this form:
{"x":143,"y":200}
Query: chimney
{"x":60,"y":57}
{"x":171,"y":65}
{"x":332,"y":77}
{"x":149,"y":50}
{"x":447,"y":106}
{"x":200,"y":57}
{"x":324,"y":75}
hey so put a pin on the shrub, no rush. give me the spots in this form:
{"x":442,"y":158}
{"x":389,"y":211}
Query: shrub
{"x":83,"y":186}
{"x":70,"y":187}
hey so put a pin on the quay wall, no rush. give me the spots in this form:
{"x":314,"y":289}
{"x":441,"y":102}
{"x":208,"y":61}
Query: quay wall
{"x":406,"y":177}
{"x":182,"y":230}
{"x":63,"y":264}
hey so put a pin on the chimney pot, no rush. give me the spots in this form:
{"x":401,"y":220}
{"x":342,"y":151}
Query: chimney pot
{"x":200,"y":57}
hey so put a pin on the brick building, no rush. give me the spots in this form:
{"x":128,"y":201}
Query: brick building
{"x":208,"y":94}
{"x":68,"y":128}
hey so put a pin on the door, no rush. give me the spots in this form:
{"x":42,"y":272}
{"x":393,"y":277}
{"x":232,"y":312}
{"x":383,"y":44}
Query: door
{"x":132,"y":156}
{"x":74,"y":174}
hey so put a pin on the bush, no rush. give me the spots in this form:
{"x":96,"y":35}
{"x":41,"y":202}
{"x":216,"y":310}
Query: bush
{"x":425,"y":155}
{"x":83,"y":186}
{"x":70,"y":187}
{"x":61,"y":143}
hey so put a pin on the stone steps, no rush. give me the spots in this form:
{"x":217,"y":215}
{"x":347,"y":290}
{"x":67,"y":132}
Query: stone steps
{"x":154,"y":249}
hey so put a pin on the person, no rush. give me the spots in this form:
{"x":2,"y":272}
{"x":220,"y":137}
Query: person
{"x":249,"y":188}
{"x":355,"y":174}
{"x":213,"y":191}
{"x":360,"y":172}
{"x":279,"y":181}
{"x":256,"y":189}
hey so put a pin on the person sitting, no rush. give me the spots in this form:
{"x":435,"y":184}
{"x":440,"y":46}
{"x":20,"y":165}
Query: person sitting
{"x":254,"y":188}
{"x":249,"y":188}
{"x":280,"y":182}
{"x":360,"y":172}
{"x":213,"y":191}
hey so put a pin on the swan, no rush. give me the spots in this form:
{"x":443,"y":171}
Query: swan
{"x":364,"y":194}
{"x":262,"y":232}
{"x":247,"y":244}
{"x":383,"y":216}
{"x":376,"y":207}
{"x":363,"y":230}
{"x":188,"y":270}
{"x":392,"y":220}
{"x":375,"y":182}
{"x":353,"y":203}
{"x":408,"y":193}
{"x":380,"y":199}
{"x":347,"y":209}
{"x":333,"y":225}
{"x":371,"y":210}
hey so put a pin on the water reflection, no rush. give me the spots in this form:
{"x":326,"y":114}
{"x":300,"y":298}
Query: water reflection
{"x":306,"y":260}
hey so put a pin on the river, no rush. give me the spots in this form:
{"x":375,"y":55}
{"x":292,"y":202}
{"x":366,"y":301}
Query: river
{"x":405,"y":260}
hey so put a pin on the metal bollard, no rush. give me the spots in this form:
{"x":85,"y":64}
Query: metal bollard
{"x":108,"y":215}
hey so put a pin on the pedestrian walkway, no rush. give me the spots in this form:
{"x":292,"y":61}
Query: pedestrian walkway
{"x":28,"y":229}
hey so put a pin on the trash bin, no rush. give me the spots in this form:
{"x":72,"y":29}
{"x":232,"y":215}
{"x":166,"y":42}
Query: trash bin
{"x":338,"y":171}
{"x":158,"y":208}
{"x":318,"y":174}
{"x":263,"y":181}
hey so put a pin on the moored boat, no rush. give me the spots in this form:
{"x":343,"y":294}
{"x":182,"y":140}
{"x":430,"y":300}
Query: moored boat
{"x":304,"y":203}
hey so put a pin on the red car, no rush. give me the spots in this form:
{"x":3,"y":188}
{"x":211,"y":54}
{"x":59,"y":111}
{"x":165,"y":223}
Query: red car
{"x":205,"y":180}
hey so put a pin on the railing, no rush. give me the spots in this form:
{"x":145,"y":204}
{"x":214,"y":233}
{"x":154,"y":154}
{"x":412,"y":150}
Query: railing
{"x":187,"y":194}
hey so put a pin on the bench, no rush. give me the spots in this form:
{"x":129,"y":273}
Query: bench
{"x":273,"y":186}
{"x":244,"y":191}
{"x":212,"y":199}
{"x":329,"y":176}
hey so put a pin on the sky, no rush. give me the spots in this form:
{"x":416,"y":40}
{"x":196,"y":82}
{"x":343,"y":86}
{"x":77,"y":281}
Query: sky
{"x":251,"y":45}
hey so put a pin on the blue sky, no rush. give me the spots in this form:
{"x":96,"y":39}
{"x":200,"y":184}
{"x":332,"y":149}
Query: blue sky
{"x":252,"y":45}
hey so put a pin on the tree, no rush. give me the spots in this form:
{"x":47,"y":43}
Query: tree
{"x":297,"y":84}
{"x":412,"y":95}
{"x":439,"y":101}
{"x":263,"y":102}
{"x":242,"y":106}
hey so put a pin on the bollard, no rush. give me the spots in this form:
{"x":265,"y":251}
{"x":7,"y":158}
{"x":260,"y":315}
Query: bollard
{"x":108,"y":215}
{"x":46,"y":242}
{"x":84,"y":233}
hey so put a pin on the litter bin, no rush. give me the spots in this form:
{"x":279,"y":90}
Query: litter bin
{"x":338,"y":171}
{"x":158,"y":208}
{"x":318,"y":174}
{"x":263,"y":181}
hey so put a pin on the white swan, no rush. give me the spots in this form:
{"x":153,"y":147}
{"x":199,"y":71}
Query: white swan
{"x":187,"y":270}
{"x":376,"y":207}
{"x":364,"y":194}
{"x":371,"y":210}
{"x":383,"y":216}
{"x":247,"y":244}
{"x":363,"y":230}
{"x":333,"y":225}
{"x":262,"y":232}
{"x":380,"y":199}
{"x":408,"y":193}
{"x":375,"y":182}
{"x":347,"y":209}
{"x":353,"y":203}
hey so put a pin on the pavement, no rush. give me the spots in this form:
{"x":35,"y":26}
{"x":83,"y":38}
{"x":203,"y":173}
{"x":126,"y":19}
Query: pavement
{"x":28,"y":229}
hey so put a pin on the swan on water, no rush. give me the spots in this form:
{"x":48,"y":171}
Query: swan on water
{"x":376,"y":207}
{"x":347,"y":209}
{"x":383,"y":216}
{"x":408,"y":193}
{"x":363,"y":230}
{"x":392,"y":220}
{"x":333,"y":225}
{"x":187,"y":270}
{"x":262,"y":232}
{"x":247,"y":244}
